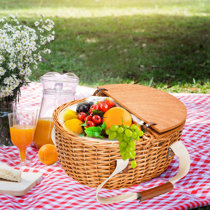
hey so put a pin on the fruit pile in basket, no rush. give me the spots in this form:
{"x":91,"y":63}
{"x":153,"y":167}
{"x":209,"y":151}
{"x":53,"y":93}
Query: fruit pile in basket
{"x":103,"y":120}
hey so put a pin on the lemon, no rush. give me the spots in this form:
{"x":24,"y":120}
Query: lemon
{"x":69,"y":114}
{"x":74,"y":125}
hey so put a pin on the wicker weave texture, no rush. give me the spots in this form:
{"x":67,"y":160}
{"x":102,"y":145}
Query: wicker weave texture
{"x":90,"y":162}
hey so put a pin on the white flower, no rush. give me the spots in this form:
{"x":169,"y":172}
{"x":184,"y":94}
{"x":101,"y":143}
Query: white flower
{"x":21,"y":48}
{"x":12,"y":16}
{"x":20,"y":65}
{"x":47,"y":51}
{"x":26,"y":79}
{"x":9,"y":90}
{"x":36,"y":23}
{"x":8,"y":80}
{"x":31,"y":60}
{"x":47,"y":21}
{"x":41,"y":30}
{"x":12,"y":65}
{"x":13,"y":86}
{"x":2,"y":59}
{"x":23,"y":52}
{"x":48,"y":39}
{"x":40,"y":58}
{"x":26,"y":60}
{"x":2,"y":71}
{"x":28,"y":71}
{"x":11,"y":50}
{"x":22,"y":72}
{"x":3,"y":37}
{"x":24,"y":41}
{"x":2,"y":19}
{"x":48,"y":28}
{"x":33,"y":48}
{"x":16,"y":82}
{"x":6,"y":25}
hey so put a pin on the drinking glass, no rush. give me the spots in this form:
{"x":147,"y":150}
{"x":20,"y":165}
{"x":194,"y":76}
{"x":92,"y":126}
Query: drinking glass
{"x":22,"y":128}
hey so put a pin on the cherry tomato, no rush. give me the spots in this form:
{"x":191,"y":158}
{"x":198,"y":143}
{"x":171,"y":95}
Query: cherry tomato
{"x":88,"y":118}
{"x":96,"y":119}
{"x":110,"y":103}
{"x":104,"y":107}
{"x":94,"y":107}
{"x":82,"y":116}
{"x":90,"y":124}
{"x":100,"y":102}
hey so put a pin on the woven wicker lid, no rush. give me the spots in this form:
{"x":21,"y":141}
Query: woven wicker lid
{"x":149,"y":105}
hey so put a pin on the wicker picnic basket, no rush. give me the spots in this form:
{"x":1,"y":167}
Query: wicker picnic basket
{"x":90,"y":162}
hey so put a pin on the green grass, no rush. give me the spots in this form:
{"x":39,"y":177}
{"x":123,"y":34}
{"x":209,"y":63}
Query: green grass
{"x":160,"y":43}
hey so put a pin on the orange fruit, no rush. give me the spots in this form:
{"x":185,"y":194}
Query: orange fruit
{"x":117,"y":116}
{"x":48,"y":154}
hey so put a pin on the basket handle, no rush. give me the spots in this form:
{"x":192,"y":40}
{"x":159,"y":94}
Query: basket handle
{"x":184,"y":165}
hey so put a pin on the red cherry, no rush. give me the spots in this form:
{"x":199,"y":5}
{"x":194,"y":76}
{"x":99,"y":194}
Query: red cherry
{"x":88,"y":118}
{"x":104,"y":107}
{"x":90,"y":124}
{"x":110,"y":103}
{"x":82,"y":116}
{"x":96,"y":119}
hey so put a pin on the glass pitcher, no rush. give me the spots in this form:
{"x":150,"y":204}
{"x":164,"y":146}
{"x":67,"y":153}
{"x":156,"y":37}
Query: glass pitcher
{"x":57,"y":90}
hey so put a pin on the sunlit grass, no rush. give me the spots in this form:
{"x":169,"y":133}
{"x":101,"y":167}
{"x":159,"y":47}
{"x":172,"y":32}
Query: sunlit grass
{"x":64,"y":12}
{"x":102,"y":8}
{"x":159,"y":43}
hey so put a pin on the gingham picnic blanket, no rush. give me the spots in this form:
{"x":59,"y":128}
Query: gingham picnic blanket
{"x":58,"y":191}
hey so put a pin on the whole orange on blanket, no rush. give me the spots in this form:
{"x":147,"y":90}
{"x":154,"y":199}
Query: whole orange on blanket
{"x":48,"y":154}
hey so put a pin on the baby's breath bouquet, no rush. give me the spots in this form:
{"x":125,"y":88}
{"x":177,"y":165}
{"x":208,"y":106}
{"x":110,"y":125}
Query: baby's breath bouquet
{"x":21,"y":49}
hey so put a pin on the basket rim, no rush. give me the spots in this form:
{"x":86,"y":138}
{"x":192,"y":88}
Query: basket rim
{"x":134,"y":118}
{"x":65,"y":132}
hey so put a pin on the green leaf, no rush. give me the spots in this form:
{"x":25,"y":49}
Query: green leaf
{"x":97,"y":112}
{"x":94,"y":132}
{"x":103,"y":126}
{"x":89,"y":133}
{"x":97,"y":135}
{"x":94,"y":129}
{"x":82,"y":134}
{"x":84,"y":124}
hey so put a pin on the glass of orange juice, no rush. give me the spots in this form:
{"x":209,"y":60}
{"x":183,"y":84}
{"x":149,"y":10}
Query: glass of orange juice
{"x":22,"y":128}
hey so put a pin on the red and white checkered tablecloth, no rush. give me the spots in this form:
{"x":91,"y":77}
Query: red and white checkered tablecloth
{"x":58,"y":191}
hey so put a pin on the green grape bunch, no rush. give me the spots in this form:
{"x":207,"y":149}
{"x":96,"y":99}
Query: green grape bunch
{"x":127,"y":137}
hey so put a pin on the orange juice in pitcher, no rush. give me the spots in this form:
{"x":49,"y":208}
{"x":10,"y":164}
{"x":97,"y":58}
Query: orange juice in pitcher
{"x":57,"y":89}
{"x":43,"y":132}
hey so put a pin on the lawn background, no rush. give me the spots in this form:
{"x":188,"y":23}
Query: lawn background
{"x":160,"y":43}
